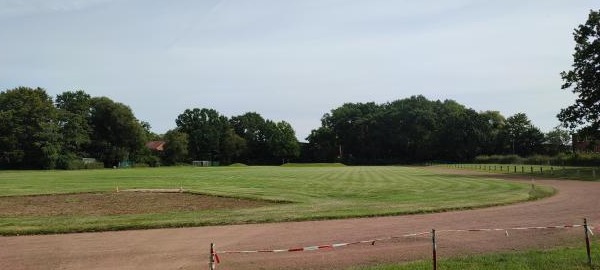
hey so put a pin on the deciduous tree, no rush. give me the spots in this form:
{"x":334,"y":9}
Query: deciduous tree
{"x":584,"y":78}
{"x":29,"y":135}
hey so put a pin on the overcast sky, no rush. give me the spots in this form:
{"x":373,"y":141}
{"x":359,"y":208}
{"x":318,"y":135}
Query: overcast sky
{"x":294,"y":60}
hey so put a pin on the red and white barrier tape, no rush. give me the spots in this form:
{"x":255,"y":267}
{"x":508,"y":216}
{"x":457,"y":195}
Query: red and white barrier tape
{"x":319,"y":247}
{"x":372,"y":241}
{"x":590,"y":228}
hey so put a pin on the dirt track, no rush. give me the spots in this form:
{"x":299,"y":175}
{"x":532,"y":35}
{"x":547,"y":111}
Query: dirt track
{"x":187,"y":248}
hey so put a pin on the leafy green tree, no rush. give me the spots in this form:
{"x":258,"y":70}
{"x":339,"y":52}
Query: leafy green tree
{"x":584,"y":78}
{"x":523,"y":138}
{"x":75,"y":130}
{"x":232,"y":146}
{"x":283,"y":143}
{"x":29,"y":135}
{"x":176,"y":147}
{"x":558,"y":141}
{"x":461,"y":132}
{"x":492,"y":129}
{"x":117,"y":135}
{"x":353,"y":125}
{"x":323,"y":145}
{"x":251,"y":127}
{"x":205,"y":129}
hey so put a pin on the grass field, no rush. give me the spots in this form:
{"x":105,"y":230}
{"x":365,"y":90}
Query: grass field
{"x":564,"y":258}
{"x":301,"y":193}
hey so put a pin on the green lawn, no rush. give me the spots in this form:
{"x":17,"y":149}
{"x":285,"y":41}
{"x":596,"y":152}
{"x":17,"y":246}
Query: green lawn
{"x":564,"y":258}
{"x":314,"y":192}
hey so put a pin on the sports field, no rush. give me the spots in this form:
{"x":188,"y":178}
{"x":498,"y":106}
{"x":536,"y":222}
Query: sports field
{"x":90,"y":202}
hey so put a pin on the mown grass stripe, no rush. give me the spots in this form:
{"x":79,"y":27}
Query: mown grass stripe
{"x":317,"y":193}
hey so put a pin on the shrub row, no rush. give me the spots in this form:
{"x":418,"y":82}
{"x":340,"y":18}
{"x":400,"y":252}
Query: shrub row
{"x":563,"y":159}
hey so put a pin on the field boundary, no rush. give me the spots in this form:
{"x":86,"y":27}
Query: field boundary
{"x":215,"y":259}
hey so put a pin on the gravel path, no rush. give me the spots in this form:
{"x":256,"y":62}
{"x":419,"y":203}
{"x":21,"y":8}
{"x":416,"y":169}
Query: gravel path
{"x":187,"y":248}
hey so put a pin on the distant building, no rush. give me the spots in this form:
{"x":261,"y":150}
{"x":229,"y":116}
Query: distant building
{"x":585,"y":144}
{"x":157,"y":146}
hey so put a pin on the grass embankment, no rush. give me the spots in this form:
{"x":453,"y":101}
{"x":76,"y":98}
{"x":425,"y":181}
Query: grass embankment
{"x":565,"y":258}
{"x":541,"y":171}
{"x":309,"y":194}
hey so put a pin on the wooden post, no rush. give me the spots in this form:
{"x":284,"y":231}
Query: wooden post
{"x":434,"y":249}
{"x":211,"y":264}
{"x":587,"y":242}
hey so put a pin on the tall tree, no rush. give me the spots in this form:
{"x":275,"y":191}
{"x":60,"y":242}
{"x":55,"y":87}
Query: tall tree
{"x":492,"y":128}
{"x":117,"y":134}
{"x":558,"y":141}
{"x":232,"y":146}
{"x":74,"y":121}
{"x":205,"y":129}
{"x":29,"y":135}
{"x":584,"y":78}
{"x":283,"y":143}
{"x":176,"y":147}
{"x":251,"y":126}
{"x":522,"y":137}
{"x":323,"y":145}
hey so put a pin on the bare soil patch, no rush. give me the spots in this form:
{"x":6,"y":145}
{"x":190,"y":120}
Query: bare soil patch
{"x":113,"y":203}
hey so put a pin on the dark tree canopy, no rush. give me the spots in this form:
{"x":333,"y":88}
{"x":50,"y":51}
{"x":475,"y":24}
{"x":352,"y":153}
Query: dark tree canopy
{"x":117,"y":134}
{"x":29,"y":135}
{"x":74,"y":120}
{"x":584,"y":78}
{"x":417,"y":129}
{"x":205,"y":129}
{"x":176,"y":147}
{"x":37,"y":133}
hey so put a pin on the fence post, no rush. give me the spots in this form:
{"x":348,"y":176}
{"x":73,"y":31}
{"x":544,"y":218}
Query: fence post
{"x":587,"y":242}
{"x":211,"y":260}
{"x":434,"y":249}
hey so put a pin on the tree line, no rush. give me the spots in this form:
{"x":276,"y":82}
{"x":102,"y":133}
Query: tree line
{"x":416,"y":129}
{"x":38,"y":131}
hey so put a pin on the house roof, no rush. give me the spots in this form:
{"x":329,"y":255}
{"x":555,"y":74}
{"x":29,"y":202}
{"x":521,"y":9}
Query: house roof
{"x":156,"y":145}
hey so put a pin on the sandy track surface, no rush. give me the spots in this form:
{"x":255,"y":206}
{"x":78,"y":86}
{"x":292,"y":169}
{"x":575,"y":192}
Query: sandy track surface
{"x":187,"y":248}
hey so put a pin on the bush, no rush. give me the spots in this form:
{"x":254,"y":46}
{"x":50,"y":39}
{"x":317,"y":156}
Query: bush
{"x":539,"y":160}
{"x":71,"y":162}
{"x":563,"y":159}
{"x":499,"y":159}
